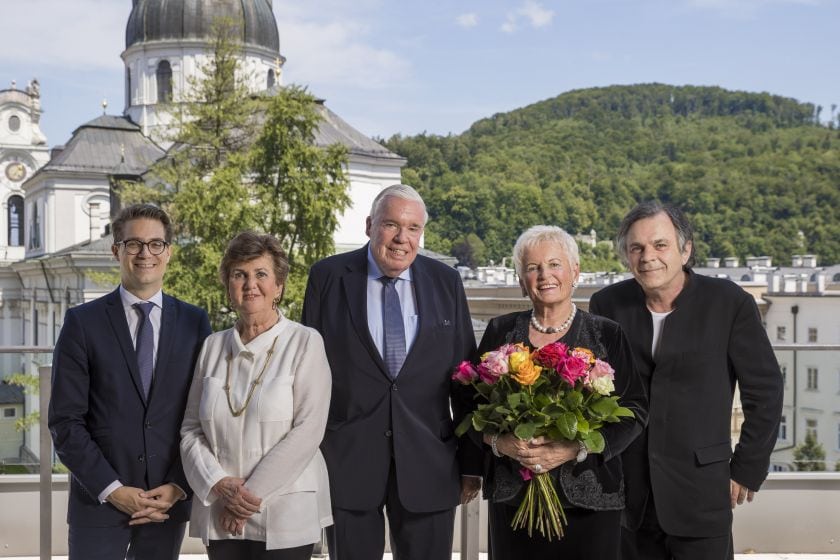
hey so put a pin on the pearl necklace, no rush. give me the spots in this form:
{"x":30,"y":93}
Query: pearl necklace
{"x":236,"y":413}
{"x":553,"y":330}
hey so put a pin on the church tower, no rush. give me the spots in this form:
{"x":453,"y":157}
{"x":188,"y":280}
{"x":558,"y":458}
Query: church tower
{"x":166,"y":41}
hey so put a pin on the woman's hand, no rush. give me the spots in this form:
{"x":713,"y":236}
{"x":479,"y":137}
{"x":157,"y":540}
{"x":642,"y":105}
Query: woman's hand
{"x":542,"y":454}
{"x":237,"y":499}
{"x":230,"y":523}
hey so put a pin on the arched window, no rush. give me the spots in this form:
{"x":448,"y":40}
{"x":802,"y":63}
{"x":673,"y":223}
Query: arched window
{"x":164,"y":82}
{"x":34,"y":228}
{"x":15,"y":221}
{"x":745,"y":278}
{"x":270,"y":82}
{"x":836,"y":278}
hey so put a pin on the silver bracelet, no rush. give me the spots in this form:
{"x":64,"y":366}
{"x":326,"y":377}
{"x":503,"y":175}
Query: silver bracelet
{"x":493,"y":441}
{"x":582,"y":453}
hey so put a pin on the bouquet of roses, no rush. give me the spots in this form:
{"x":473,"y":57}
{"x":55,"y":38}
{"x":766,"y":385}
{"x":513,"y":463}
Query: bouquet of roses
{"x":555,"y":391}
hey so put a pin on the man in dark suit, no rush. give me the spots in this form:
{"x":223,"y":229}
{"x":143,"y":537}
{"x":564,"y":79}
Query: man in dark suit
{"x":395,"y":324}
{"x":121,"y":372}
{"x":693,"y":337}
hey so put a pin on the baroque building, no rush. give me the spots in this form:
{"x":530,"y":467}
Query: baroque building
{"x":55,"y":250}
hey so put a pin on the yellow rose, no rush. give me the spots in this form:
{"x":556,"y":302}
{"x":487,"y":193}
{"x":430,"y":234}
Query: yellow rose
{"x":527,"y":373}
{"x":516,"y":359}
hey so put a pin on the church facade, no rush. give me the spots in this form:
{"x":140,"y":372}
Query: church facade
{"x":54,"y":249}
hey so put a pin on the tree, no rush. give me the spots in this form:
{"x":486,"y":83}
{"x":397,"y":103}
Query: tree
{"x":240,"y":162}
{"x":810,"y":455}
{"x":470,"y":251}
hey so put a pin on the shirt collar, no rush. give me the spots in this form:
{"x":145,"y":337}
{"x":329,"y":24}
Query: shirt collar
{"x":129,"y":299}
{"x":375,"y":273}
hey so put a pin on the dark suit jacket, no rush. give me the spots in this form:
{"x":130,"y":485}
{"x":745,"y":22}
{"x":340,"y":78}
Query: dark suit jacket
{"x":102,"y":427}
{"x":713,"y":339}
{"x":369,"y":412}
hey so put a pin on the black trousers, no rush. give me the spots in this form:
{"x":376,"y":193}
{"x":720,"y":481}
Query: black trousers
{"x":651,"y":542}
{"x":153,"y":541}
{"x":360,"y":535}
{"x":590,"y":535}
{"x":231,"y":549}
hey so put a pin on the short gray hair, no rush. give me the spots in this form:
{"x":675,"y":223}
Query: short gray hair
{"x":536,"y":235}
{"x":649,"y":209}
{"x":397,"y":191}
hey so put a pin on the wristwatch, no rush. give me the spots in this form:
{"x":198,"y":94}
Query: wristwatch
{"x":583,"y":452}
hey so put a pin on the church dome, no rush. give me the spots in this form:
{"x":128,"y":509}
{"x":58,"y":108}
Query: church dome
{"x":171,"y":20}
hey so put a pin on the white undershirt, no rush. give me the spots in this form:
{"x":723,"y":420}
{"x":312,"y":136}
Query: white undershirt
{"x":658,"y":320}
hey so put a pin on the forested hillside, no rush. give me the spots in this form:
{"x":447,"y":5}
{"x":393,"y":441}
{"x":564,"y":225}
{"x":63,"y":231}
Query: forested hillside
{"x":755,"y":172}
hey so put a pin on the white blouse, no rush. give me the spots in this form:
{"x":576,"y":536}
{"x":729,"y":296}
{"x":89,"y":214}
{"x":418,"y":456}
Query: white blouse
{"x":273,"y":445}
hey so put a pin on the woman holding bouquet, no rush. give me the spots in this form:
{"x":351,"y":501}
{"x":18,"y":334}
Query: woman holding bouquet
{"x":256,"y":413}
{"x":589,"y":485}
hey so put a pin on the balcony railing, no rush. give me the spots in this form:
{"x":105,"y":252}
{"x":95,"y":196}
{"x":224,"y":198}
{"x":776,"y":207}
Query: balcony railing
{"x":794,"y":512}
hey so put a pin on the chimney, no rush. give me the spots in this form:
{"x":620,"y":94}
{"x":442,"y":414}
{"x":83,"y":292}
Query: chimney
{"x":796,"y":261}
{"x":809,"y":261}
{"x":712,"y":262}
{"x":820,"y":281}
{"x":730,"y":262}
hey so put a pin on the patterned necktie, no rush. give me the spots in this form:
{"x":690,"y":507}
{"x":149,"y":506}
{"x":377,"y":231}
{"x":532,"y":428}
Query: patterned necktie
{"x":145,"y":345}
{"x":392,"y":321}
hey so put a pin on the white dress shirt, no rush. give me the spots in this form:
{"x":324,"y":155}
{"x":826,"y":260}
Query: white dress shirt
{"x":408,"y":303}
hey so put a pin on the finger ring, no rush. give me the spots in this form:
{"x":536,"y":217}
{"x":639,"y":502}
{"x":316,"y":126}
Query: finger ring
{"x":537,"y":468}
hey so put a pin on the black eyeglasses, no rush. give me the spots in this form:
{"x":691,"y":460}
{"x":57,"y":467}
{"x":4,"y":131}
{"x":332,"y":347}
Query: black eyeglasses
{"x":135,"y":246}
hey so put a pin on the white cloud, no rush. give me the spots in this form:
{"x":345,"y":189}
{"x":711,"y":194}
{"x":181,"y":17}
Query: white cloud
{"x":536,"y":14}
{"x":467,"y":20}
{"x":84,"y":34}
{"x":336,"y":51}
{"x":532,"y":12}
{"x":509,"y":26}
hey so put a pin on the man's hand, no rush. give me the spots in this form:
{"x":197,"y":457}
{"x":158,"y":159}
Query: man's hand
{"x":470,"y":486}
{"x":237,"y":499}
{"x":163,"y":497}
{"x":130,"y":500}
{"x":738,"y":493}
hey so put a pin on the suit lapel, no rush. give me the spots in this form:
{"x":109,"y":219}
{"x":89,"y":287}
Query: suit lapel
{"x":166,"y":337}
{"x":119,"y":326}
{"x":424,"y":294}
{"x":354,"y":283}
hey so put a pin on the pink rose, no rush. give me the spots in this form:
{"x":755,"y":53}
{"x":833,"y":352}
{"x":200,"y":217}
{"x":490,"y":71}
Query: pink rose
{"x":465,"y":373}
{"x":573,"y":369}
{"x":552,"y":355}
{"x":601,"y":377}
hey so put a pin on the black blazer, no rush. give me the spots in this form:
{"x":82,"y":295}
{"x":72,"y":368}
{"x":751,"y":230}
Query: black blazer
{"x":370,"y":414}
{"x":595,"y":483}
{"x":102,"y":427}
{"x":713,"y":339}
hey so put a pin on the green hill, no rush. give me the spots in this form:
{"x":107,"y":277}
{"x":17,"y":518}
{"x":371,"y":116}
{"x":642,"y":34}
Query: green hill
{"x":754,"y":171}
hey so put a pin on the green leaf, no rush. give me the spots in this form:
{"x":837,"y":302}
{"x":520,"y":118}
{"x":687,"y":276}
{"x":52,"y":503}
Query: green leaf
{"x":604,"y":407}
{"x":567,"y":424}
{"x":525,"y":431}
{"x":478,"y":423}
{"x":514,"y":399}
{"x":464,"y":425}
{"x":623,"y":412}
{"x":594,"y":442}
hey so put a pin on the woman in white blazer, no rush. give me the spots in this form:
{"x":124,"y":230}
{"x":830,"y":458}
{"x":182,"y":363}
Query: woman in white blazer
{"x":256,"y":414}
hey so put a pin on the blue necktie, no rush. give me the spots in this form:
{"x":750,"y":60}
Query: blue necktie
{"x":145,"y":345}
{"x":392,"y":321}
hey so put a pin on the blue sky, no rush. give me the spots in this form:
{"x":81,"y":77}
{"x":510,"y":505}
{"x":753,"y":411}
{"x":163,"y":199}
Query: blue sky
{"x":408,"y":66}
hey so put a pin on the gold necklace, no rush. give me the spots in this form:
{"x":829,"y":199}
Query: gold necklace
{"x":254,"y":383}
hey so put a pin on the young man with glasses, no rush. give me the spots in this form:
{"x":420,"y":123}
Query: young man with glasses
{"x":121,"y":372}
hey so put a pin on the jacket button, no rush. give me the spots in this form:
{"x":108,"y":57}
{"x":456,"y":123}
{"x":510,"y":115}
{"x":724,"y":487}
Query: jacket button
{"x":388,"y":433}
{"x":148,"y":424}
{"x":394,"y":387}
{"x":141,"y":458}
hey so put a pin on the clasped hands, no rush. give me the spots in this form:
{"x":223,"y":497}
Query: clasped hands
{"x":539,"y":454}
{"x":145,"y":506}
{"x":240,"y":504}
